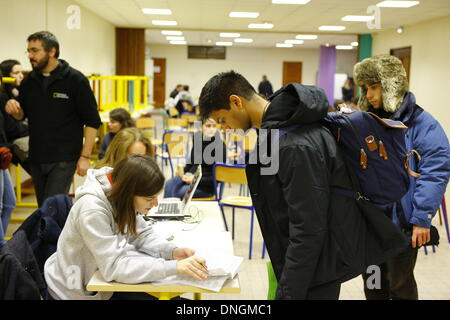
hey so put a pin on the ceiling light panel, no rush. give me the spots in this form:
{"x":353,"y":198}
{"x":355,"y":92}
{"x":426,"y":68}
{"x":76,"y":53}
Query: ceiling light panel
{"x":306,"y":37}
{"x":244,"y":14}
{"x":260,"y":26}
{"x":166,"y":12}
{"x":164,"y":23}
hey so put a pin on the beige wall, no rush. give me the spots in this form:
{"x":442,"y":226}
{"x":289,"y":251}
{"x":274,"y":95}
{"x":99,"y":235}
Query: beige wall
{"x":90,"y":49}
{"x":430,"y":63}
{"x":252,"y":63}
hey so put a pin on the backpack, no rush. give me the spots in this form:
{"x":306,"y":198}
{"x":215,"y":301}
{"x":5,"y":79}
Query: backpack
{"x":376,"y":153}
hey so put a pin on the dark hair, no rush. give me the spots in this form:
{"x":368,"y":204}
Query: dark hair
{"x":7,"y":65}
{"x":136,"y":175}
{"x":186,"y":88}
{"x":216,"y":93}
{"x":49,"y":41}
{"x":123,"y":116}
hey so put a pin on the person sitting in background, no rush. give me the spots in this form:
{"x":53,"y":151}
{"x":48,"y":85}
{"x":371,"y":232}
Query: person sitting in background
{"x":12,"y":68}
{"x":175,"y":91}
{"x":184,"y":102}
{"x":7,"y":197}
{"x":19,"y":140}
{"x":126,"y":142}
{"x":105,"y":231}
{"x":119,"y":119}
{"x":176,"y":187}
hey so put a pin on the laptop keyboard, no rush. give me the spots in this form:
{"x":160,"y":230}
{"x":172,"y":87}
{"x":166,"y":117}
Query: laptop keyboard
{"x":168,"y":208}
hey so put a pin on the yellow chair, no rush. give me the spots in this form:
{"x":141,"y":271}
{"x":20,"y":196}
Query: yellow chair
{"x":191,"y":118}
{"x":146,"y":124}
{"x":175,"y":145}
{"x":174,"y":124}
{"x":223,"y":173}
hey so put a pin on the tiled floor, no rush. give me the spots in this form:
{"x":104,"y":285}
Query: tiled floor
{"x":432,"y":270}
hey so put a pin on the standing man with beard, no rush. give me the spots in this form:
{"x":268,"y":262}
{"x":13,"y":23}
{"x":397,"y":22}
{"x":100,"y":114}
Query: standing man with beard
{"x":61,"y":110}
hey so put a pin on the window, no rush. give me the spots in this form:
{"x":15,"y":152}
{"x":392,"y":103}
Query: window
{"x":204,"y":52}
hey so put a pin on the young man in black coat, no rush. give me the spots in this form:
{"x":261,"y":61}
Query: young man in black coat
{"x":316,"y":239}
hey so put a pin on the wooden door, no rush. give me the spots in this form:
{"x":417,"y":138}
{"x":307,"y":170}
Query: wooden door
{"x":292,"y":72}
{"x":159,"y":81}
{"x":404,"y":54}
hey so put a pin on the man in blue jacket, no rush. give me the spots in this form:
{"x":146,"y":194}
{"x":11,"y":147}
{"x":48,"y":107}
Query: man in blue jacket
{"x":384,"y":91}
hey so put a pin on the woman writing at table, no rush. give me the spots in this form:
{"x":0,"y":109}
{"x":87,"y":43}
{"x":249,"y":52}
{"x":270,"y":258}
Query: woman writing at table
{"x":105,"y":231}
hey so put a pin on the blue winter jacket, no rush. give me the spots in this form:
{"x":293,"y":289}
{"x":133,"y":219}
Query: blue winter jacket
{"x":425,"y":135}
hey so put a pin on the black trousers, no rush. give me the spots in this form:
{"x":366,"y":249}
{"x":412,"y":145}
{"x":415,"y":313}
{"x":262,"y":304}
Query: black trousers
{"x":397,"y":279}
{"x":52,"y":178}
{"x":328,"y":291}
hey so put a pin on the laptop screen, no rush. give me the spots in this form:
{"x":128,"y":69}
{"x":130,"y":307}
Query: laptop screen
{"x":193,"y":186}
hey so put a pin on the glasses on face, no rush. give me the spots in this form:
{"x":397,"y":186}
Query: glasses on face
{"x":32,"y":51}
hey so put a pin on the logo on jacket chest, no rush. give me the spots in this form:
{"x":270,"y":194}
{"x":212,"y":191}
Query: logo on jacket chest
{"x":59,"y":95}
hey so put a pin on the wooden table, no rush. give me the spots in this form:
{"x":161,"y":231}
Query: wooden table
{"x":209,"y":234}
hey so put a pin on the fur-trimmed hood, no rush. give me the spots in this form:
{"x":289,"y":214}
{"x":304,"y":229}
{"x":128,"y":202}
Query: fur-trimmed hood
{"x":387,"y":70}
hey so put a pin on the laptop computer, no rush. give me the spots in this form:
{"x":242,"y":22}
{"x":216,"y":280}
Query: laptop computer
{"x":176,"y":209}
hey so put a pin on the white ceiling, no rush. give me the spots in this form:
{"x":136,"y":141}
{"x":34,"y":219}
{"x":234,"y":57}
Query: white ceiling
{"x":202,"y":20}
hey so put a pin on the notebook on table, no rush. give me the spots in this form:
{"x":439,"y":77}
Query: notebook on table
{"x":176,"y":209}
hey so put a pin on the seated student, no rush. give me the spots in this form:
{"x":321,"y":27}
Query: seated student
{"x":184,"y":102}
{"x":119,"y":119}
{"x":176,"y":187}
{"x":17,"y":132}
{"x":126,"y":142}
{"x":105,"y":231}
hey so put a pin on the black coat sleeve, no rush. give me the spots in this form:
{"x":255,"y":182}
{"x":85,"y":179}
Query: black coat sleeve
{"x":304,"y":179}
{"x":86,"y":104}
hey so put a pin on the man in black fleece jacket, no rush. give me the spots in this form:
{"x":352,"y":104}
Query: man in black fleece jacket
{"x":316,"y":239}
{"x":61,"y":110}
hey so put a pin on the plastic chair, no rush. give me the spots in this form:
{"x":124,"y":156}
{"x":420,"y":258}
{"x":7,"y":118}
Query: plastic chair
{"x":272,"y":281}
{"x":177,"y":123}
{"x":190,"y":117}
{"x":146,"y":124}
{"x":223,"y":173}
{"x":175,"y":146}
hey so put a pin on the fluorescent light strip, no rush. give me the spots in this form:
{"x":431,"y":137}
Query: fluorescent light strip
{"x":342,"y":47}
{"x":172,"y":33}
{"x":306,"y":37}
{"x":164,"y":23}
{"x":224,"y":44}
{"x":177,"y":42}
{"x":294,"y":41}
{"x":244,"y":14}
{"x":243,"y":40}
{"x":284,"y":45}
{"x":229,"y":35}
{"x":358,"y":18}
{"x":166,"y":12}
{"x":354,"y":44}
{"x":290,"y":1}
{"x":260,"y":26}
{"x":397,"y":4}
{"x":174,"y":38}
{"x":332,"y":28}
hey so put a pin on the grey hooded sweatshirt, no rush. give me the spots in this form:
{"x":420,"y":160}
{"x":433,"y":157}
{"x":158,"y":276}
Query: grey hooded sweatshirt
{"x":90,"y":241}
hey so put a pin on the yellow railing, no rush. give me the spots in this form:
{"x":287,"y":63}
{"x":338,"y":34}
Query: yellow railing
{"x":129,"y":92}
